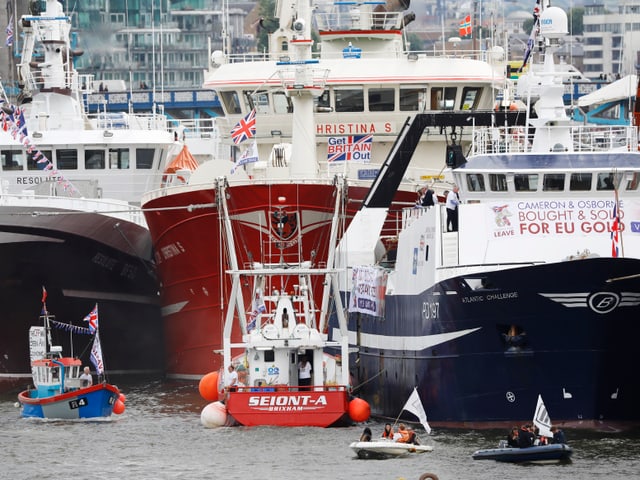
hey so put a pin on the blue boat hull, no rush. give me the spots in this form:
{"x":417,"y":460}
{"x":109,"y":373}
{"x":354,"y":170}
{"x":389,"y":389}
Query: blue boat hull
{"x":576,"y":348}
{"x":93,"y":402}
{"x":545,"y":453}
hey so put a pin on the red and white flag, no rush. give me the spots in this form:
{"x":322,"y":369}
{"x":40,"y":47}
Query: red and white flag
{"x":245,"y":128}
{"x":92,"y":318}
{"x":615,"y":233}
{"x":465,"y":26}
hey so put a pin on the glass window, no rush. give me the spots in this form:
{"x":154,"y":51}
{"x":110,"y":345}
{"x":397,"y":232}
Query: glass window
{"x":605,"y":181}
{"x":525,"y":182}
{"x":349,"y":99}
{"x":144,"y":158}
{"x":443,"y":98}
{"x":475,"y":182}
{"x":413,"y":99}
{"x":258,"y":100}
{"x":323,"y":102}
{"x":119,"y":158}
{"x":381,"y":100}
{"x":94,"y":159}
{"x":553,"y":182}
{"x":38,"y":160}
{"x":282,"y":103}
{"x":12,"y":160}
{"x":67,"y":159}
{"x":231,"y":102}
{"x":470,"y":98}
{"x":580,"y":181}
{"x":632,"y":180}
{"x":498,"y":182}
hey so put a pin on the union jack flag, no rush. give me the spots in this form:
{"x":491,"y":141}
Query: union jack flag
{"x":258,"y":308}
{"x":465,"y":26}
{"x":245,"y":129}
{"x":532,"y":37}
{"x":615,"y":233}
{"x":92,"y":318}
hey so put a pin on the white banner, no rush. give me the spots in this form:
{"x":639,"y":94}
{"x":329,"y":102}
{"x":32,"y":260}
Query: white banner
{"x":369,"y":286}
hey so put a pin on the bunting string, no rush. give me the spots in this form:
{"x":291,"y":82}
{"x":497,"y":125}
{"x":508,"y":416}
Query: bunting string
{"x":67,"y":327}
{"x":12,"y":121}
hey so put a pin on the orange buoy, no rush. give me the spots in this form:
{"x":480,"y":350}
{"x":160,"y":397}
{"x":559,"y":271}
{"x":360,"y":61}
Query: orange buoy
{"x":359,"y":410}
{"x":118,"y":407}
{"x":208,"y":387}
{"x":122,"y":398}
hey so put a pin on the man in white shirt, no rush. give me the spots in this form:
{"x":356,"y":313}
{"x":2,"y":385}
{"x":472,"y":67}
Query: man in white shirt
{"x":231,"y":378}
{"x":453,"y":200}
{"x":86,"y":380}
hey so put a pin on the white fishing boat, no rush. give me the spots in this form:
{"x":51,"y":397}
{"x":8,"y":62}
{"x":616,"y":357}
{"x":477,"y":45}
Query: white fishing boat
{"x":70,"y":190}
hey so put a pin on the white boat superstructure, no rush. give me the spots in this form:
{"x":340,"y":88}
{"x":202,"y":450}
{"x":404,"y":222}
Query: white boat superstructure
{"x":50,"y":146}
{"x":366,"y":84}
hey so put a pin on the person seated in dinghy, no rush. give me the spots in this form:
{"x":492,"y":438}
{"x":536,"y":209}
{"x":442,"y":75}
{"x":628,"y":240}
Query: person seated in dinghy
{"x":366,"y":435}
{"x":407,"y":435}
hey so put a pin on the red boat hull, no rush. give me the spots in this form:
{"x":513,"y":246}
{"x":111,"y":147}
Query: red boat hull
{"x":272,"y":224}
{"x":289,"y":407}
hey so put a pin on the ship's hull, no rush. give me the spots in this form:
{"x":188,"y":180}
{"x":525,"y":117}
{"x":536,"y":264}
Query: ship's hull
{"x":575,"y":346}
{"x":81,"y":259}
{"x":272,"y":223}
{"x":287,"y":407}
{"x":94,"y":402}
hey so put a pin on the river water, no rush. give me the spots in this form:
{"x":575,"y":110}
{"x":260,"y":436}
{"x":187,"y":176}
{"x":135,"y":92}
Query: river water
{"x":160,"y":436}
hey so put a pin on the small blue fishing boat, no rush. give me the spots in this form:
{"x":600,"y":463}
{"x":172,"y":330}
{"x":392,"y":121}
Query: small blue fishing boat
{"x":60,"y":389}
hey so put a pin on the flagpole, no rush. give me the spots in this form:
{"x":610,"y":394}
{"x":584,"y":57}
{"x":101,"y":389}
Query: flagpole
{"x":619,"y":223}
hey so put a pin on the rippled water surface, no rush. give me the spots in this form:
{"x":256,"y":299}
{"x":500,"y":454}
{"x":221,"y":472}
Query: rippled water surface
{"x":160,"y":437}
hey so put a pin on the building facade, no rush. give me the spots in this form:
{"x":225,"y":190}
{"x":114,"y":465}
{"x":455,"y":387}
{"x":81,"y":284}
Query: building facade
{"x":611,"y":39}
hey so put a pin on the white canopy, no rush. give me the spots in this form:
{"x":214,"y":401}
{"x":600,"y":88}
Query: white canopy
{"x":620,"y":89}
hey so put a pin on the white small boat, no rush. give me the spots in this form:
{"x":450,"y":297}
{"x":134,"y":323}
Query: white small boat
{"x":388,"y":448}
{"x":384,"y":448}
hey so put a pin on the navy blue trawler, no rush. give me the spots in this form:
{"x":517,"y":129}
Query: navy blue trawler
{"x":536,"y":293}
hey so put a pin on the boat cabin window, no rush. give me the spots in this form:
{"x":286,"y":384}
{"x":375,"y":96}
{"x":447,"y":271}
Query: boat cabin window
{"x":632,"y":180}
{"x":525,"y":182}
{"x":94,"y":159}
{"x":553,"y":182}
{"x":413,"y":99}
{"x":67,"y":159}
{"x":349,"y":99}
{"x":12,"y":160}
{"x":381,"y":100}
{"x":281,"y":103}
{"x":32,"y":161}
{"x":443,"y":98}
{"x":470,"y":98}
{"x":231,"y":102}
{"x":258,"y":100}
{"x":498,"y":182}
{"x":605,"y":181}
{"x":119,"y":158}
{"x":475,"y":182}
{"x":580,"y":182}
{"x":144,"y":158}
{"x":323,"y":102}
